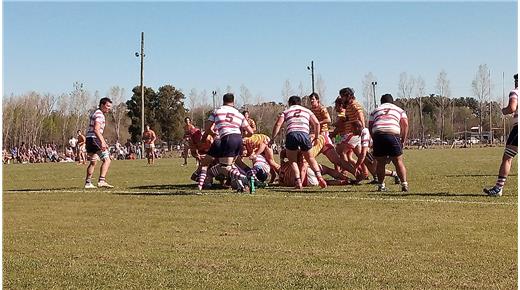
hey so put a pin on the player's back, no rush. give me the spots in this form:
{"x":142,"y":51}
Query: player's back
{"x":297,"y":119}
{"x":228,"y":120}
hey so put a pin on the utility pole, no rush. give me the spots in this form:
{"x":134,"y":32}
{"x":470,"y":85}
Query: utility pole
{"x":490,"y":106}
{"x":142,"y":91}
{"x":214,"y":93}
{"x":311,"y":68}
{"x":374,"y":92}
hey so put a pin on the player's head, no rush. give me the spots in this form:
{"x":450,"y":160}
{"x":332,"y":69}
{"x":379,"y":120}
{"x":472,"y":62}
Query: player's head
{"x":347,"y":94}
{"x":314,"y":98}
{"x":261,"y":175}
{"x":387,"y":98}
{"x":187,"y":120}
{"x":515,"y":77}
{"x":105,"y":105}
{"x":358,"y":127}
{"x":339,"y":104}
{"x":246,"y":113}
{"x":228,"y":99}
{"x":295,"y":100}
{"x":79,"y":132}
{"x":147,"y":127}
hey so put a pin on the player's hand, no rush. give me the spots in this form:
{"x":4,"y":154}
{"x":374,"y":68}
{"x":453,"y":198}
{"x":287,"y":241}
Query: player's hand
{"x":104,"y":146}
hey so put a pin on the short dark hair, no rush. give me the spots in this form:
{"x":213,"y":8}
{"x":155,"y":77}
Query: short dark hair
{"x":315,"y":95}
{"x":295,"y":100}
{"x":104,"y":101}
{"x":515,"y":77}
{"x":244,"y":112}
{"x":228,"y":98}
{"x":387,"y":98}
{"x":349,"y":92}
{"x":186,"y":119}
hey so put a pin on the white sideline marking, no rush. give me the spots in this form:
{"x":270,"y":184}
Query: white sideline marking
{"x":265,"y":195}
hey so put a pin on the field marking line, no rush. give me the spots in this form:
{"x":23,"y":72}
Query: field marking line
{"x":391,"y":199}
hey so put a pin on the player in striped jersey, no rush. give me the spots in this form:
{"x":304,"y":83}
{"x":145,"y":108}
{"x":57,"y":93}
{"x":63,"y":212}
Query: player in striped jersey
{"x":96,"y":145}
{"x":366,"y":158}
{"x":388,"y":125}
{"x":511,"y":145}
{"x":228,"y":121}
{"x":258,"y":144}
{"x":297,"y":120}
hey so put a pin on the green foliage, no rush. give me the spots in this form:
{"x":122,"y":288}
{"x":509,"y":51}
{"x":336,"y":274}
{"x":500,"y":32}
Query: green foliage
{"x":164,"y":112}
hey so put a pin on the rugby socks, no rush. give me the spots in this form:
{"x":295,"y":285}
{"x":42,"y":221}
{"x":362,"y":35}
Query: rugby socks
{"x":235,"y":174}
{"x":101,"y":178}
{"x":501,"y":181}
{"x":394,"y":174}
{"x":88,"y":180}
{"x":202,"y":178}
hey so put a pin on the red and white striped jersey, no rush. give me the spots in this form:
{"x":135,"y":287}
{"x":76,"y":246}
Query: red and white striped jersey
{"x":96,"y":117}
{"x":261,"y":162}
{"x":366,"y":141}
{"x":386,"y":118}
{"x":514,"y":95}
{"x":228,"y":120}
{"x":297,"y":119}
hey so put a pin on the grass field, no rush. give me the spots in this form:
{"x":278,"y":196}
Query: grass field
{"x":152,"y":232}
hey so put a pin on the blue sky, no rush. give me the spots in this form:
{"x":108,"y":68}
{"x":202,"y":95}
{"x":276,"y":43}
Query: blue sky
{"x":47,"y":46}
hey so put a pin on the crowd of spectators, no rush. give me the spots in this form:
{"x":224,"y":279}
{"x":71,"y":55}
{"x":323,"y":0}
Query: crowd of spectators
{"x":51,"y":152}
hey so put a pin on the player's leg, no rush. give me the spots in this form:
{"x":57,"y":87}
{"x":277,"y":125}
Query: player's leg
{"x":105,"y":158}
{"x":401,"y":171}
{"x":507,"y":159}
{"x":335,"y":159}
{"x":292,"y":156}
{"x":90,"y":170}
{"x":269,"y":157}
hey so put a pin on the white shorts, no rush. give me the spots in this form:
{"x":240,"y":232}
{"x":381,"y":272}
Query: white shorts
{"x":351,"y":140}
{"x":311,"y":177}
{"x":149,"y":146}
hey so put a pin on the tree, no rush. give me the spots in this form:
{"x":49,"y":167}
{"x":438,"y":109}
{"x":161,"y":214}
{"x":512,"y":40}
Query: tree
{"x":481,"y":86}
{"x":245,"y":95}
{"x":419,"y":94}
{"x":192,"y":98}
{"x":368,"y":91}
{"x":444,"y":93}
{"x":169,"y":113}
{"x":134,"y":111}
{"x":321,"y":88}
{"x":119,"y":110}
{"x":287,"y":91}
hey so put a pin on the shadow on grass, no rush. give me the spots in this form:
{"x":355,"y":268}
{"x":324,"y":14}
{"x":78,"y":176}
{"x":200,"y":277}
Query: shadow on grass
{"x":437,"y":194}
{"x":167,"y":189}
{"x":41,"y":189}
{"x":475,"y":175}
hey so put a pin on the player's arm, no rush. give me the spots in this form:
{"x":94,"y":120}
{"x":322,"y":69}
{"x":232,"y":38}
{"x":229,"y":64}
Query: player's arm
{"x":248,"y":130}
{"x":511,"y":106}
{"x":154,"y":137}
{"x":258,"y":151}
{"x":360,"y":116}
{"x":97,"y":132}
{"x":277,"y":126}
{"x":327,"y":117}
{"x":404,"y":129}
{"x":361,"y":158}
{"x":316,"y":125}
{"x":253,"y":125}
{"x":208,"y":129}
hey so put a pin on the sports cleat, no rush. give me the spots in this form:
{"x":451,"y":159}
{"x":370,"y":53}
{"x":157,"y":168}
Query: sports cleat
{"x":494,"y":191}
{"x":104,"y":184}
{"x":240,"y":186}
{"x":397,"y":180}
{"x":381,"y":187}
{"x":404,"y":188}
{"x":89,"y":185}
{"x":322,"y":182}
{"x":194,"y":177}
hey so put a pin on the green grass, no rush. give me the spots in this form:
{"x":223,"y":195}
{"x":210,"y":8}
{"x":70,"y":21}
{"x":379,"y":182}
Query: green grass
{"x":151,"y":232}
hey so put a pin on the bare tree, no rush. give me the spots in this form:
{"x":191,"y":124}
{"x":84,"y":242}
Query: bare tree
{"x":406,"y":88}
{"x":192,"y":99}
{"x":481,"y":88}
{"x":287,"y":91}
{"x":444,"y":93}
{"x":119,"y":109}
{"x":321,"y":88}
{"x":301,"y":90}
{"x":245,"y":95}
{"x":368,"y":91}
{"x":419,"y":94}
